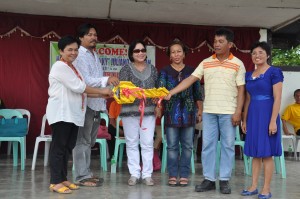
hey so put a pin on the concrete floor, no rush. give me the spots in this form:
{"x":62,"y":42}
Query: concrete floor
{"x":17,"y":184}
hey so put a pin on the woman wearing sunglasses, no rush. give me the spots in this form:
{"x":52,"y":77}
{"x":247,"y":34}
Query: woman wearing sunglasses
{"x":179,"y":114}
{"x":143,"y":75}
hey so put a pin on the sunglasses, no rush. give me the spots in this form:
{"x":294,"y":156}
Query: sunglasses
{"x":139,"y":50}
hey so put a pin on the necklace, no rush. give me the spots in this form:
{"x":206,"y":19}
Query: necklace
{"x":79,"y":76}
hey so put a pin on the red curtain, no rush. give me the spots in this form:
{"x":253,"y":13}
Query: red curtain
{"x":24,"y":60}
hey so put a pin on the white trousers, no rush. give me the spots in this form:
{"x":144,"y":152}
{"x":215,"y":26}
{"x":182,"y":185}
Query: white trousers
{"x":135,"y":135}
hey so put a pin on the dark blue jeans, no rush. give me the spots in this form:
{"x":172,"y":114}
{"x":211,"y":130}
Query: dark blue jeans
{"x":179,"y":162}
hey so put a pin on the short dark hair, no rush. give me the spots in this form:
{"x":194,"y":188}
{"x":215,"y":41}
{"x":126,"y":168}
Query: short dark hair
{"x":262,"y":44}
{"x":296,"y":91}
{"x":174,"y":42}
{"x":132,"y":46}
{"x":225,"y":32}
{"x":67,"y":40}
{"x":84,"y":29}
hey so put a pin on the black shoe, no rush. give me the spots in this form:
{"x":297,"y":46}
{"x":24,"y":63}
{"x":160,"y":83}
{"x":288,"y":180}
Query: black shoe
{"x":225,"y":187}
{"x":206,"y":185}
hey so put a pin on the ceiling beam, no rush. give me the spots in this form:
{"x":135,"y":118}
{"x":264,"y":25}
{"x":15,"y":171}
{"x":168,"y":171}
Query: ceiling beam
{"x":284,"y":24}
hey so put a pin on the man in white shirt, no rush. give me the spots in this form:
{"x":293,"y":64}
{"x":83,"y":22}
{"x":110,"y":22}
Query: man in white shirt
{"x":89,"y":65}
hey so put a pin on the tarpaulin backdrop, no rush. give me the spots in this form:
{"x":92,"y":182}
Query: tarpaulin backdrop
{"x":24,"y":53}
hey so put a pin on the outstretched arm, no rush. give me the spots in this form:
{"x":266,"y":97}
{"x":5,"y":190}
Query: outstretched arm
{"x":98,"y":92}
{"x":182,"y":86}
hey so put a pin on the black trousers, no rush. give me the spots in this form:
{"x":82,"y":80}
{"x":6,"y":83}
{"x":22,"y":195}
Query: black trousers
{"x":64,"y":136}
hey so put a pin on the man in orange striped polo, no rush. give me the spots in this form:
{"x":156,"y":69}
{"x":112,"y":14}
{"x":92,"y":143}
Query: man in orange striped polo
{"x":224,"y":77}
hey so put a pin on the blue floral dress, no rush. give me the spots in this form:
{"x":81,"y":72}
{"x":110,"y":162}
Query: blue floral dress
{"x":180,"y":110}
{"x":258,"y":142}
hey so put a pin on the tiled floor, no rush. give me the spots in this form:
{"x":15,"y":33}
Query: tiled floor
{"x":15,"y":184}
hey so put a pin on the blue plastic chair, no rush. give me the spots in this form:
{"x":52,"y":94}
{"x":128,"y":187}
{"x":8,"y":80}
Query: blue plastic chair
{"x":238,"y":142}
{"x":164,"y":153}
{"x":103,"y":145}
{"x":9,"y":113}
{"x":119,"y":145}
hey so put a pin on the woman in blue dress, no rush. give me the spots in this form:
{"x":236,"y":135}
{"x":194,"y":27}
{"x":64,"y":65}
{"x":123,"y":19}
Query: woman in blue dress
{"x":261,"y":122}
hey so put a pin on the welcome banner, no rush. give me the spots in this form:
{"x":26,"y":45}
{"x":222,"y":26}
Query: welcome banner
{"x":112,"y":56}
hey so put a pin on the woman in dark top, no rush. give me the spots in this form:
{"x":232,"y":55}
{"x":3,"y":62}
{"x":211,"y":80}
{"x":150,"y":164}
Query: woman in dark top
{"x":179,"y":114}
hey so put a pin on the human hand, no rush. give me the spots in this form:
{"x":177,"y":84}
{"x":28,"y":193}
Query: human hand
{"x":272,"y":128}
{"x":154,"y":100}
{"x":199,"y":116}
{"x":244,"y":127}
{"x":106,"y":92}
{"x":168,"y":97}
{"x":113,"y":81}
{"x":288,"y":133}
{"x":236,"y":119}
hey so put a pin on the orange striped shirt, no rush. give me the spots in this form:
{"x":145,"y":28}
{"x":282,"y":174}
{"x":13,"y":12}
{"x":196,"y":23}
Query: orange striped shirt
{"x":220,"y":83}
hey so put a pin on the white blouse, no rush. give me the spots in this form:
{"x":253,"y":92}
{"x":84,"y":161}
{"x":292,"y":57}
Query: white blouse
{"x":65,"y":102}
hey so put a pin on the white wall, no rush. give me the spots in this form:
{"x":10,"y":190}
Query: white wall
{"x":290,"y":84}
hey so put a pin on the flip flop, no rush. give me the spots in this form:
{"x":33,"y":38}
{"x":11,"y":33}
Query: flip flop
{"x":172,"y":182}
{"x":183,"y":182}
{"x":70,"y":185}
{"x":62,"y":190}
{"x":96,"y":178}
{"x":90,"y":182}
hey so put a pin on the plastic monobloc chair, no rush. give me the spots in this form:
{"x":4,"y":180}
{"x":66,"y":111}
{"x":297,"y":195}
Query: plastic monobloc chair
{"x":9,"y":113}
{"x":103,"y":145}
{"x":120,"y":143}
{"x":42,"y":138}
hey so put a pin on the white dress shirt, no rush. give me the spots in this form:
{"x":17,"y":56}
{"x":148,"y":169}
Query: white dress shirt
{"x":65,"y":95}
{"x":90,"y":67}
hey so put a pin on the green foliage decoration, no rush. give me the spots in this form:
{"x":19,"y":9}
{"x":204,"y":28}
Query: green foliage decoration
{"x":286,"y":57}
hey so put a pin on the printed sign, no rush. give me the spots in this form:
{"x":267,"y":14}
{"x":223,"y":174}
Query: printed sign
{"x":112,"y":56}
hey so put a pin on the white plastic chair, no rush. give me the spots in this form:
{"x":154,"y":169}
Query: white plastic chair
{"x":294,"y":143}
{"x":42,"y":138}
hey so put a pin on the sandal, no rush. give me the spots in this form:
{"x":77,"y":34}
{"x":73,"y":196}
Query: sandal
{"x":172,"y":182}
{"x":90,"y":182}
{"x":70,"y":185}
{"x":62,"y":190}
{"x":183,"y":182}
{"x":132,"y":181}
{"x":96,"y":178}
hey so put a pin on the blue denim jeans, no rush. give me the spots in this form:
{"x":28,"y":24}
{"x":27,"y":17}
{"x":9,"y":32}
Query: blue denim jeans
{"x":213,"y":126}
{"x":176,"y":161}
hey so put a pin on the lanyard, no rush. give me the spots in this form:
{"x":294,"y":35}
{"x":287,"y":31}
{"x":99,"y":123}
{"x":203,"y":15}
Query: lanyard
{"x":79,"y":76}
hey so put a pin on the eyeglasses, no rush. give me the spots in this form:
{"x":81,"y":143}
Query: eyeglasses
{"x":179,"y":76}
{"x":139,"y":50}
